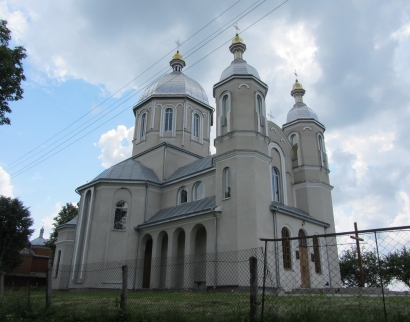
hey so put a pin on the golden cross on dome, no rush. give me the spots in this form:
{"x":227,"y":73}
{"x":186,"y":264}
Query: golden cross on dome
{"x":270,"y":115}
{"x":236,"y":26}
{"x":296,"y":74}
{"x":178,"y":44}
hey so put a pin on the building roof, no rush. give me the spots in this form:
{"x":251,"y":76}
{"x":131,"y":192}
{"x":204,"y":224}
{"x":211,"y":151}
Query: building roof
{"x":297,"y":213}
{"x":239,"y":67}
{"x":39,"y":241}
{"x":72,"y":222}
{"x":129,"y":169}
{"x":192,"y":168}
{"x":175,"y":83}
{"x":185,"y":210}
{"x":301,"y":111}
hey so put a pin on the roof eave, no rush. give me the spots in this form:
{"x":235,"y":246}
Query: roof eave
{"x":242,"y":76}
{"x":152,"y":96}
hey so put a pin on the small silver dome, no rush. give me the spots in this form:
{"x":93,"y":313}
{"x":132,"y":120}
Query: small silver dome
{"x":301,"y":111}
{"x":239,"y":67}
{"x":175,"y":83}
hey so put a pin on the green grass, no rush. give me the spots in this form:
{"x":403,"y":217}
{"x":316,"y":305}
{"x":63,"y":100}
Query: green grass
{"x":150,"y":306}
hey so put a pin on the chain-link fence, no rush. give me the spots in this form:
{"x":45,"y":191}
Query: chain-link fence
{"x":305,"y":278}
{"x":351,"y":276}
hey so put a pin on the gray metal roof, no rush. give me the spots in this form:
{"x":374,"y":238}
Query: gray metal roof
{"x":192,"y":168}
{"x":239,"y":67}
{"x":129,"y":169}
{"x":175,"y":83}
{"x":181,"y":211}
{"x":295,"y":212}
{"x":72,"y":222}
{"x":39,"y":241}
{"x":301,"y":111}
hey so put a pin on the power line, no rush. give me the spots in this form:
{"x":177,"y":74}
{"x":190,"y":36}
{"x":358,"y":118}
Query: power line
{"x":42,"y":159}
{"x":122,"y":88}
{"x":203,"y":42}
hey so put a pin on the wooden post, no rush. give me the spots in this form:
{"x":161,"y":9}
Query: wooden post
{"x":359,"y":256}
{"x":48,"y":286}
{"x":124,"y":292}
{"x":253,"y":268}
{"x":1,"y":286}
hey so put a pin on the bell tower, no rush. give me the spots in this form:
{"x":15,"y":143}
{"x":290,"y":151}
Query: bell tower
{"x":309,"y":159}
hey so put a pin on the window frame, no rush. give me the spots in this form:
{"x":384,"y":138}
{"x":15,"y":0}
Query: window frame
{"x":227,"y":189}
{"x":316,"y":255}
{"x":275,"y":172}
{"x":179,"y":195}
{"x":143,"y":125}
{"x":168,"y":121}
{"x":286,"y":249}
{"x":195,"y":191}
{"x":123,"y":220}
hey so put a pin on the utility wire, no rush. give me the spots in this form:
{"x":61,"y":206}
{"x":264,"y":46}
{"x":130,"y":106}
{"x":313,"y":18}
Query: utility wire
{"x":40,"y":160}
{"x":203,"y":42}
{"x":123,"y":87}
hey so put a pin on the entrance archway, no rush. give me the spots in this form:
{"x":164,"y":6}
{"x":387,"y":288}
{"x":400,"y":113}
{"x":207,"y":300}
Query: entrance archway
{"x":147,"y":264}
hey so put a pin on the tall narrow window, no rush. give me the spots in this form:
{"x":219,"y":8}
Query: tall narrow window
{"x":120,"y":216}
{"x":196,"y":125}
{"x":275,"y":185}
{"x":316,"y":255}
{"x":198,"y":191}
{"x":168,"y":119}
{"x":182,"y":195}
{"x":58,"y":263}
{"x":294,"y":142}
{"x":143,"y":124}
{"x":259,"y":108}
{"x":286,"y":253}
{"x":227,"y":183}
{"x":322,"y":150}
{"x":225,"y":110}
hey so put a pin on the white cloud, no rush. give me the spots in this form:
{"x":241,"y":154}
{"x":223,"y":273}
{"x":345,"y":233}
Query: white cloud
{"x":115,"y":145}
{"x":403,"y":217}
{"x":6,"y":189}
{"x":49,"y":220}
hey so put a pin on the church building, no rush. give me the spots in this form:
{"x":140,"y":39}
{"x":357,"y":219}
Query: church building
{"x":173,"y":199}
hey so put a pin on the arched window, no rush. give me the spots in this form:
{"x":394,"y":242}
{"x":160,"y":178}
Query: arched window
{"x":225,"y":110}
{"x":259,"y":108}
{"x":58,"y":263}
{"x":294,"y":142}
{"x":316,"y":255}
{"x":198,"y":191}
{"x":286,"y":253}
{"x":196,"y":125}
{"x":275,"y":185}
{"x":168,"y":119}
{"x":143,"y":125}
{"x":322,"y":150}
{"x":227,"y":183}
{"x":120,"y":216}
{"x":182,"y":196}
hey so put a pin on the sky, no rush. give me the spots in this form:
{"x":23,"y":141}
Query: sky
{"x":89,"y":61}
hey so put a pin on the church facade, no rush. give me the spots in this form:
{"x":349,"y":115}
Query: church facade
{"x":173,"y":199}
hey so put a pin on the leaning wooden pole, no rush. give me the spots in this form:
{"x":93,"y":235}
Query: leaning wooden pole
{"x":124,"y":293}
{"x":359,"y":256}
{"x":253,"y":268}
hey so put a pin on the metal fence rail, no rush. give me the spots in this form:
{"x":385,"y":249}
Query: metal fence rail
{"x":301,"y":278}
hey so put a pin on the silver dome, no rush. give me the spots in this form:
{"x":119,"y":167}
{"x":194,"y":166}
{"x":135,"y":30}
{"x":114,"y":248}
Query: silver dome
{"x":301,"y":111}
{"x":176,"y":83}
{"x":239,"y":67}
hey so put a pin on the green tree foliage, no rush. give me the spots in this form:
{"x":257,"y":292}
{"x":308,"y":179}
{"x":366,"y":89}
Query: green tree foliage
{"x":350,"y":273}
{"x":15,"y":222}
{"x":67,"y":212}
{"x":11,"y":72}
{"x":398,"y":265}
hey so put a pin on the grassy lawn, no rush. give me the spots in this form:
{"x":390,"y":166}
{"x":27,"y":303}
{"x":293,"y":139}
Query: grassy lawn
{"x":197,"y":306}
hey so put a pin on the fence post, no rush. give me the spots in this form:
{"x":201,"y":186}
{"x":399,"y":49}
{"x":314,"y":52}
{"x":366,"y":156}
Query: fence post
{"x":124,"y":292}
{"x":264,"y":279}
{"x":253,"y":267}
{"x":48,"y":286}
{"x":1,"y":286}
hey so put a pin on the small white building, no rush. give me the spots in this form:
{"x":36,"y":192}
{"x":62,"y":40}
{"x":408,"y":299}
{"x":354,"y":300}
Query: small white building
{"x":172,"y":199}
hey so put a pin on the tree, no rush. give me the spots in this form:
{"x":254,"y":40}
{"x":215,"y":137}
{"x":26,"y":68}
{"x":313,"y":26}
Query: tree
{"x":349,"y":269}
{"x":67,"y":212}
{"x":11,"y":71}
{"x":398,"y":265}
{"x":15,"y":222}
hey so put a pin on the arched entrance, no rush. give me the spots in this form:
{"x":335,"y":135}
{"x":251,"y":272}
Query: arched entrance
{"x":304,"y":260}
{"x":147,"y":264}
{"x":180,"y":260}
{"x":200,"y":255}
{"x":163,"y":241}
